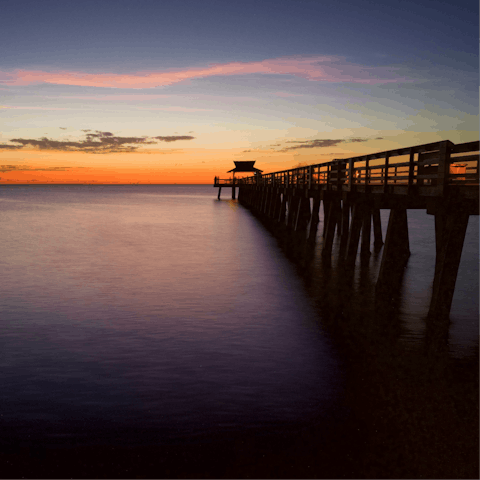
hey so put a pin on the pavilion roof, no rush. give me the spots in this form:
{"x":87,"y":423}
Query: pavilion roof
{"x":244,"y":167}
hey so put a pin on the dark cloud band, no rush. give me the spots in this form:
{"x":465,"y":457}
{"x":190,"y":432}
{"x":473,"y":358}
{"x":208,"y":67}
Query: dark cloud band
{"x":24,"y":168}
{"x":320,"y":143}
{"x":98,"y":142}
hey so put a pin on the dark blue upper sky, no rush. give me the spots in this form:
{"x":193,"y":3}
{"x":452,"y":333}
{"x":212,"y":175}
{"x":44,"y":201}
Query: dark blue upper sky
{"x":122,"y":35}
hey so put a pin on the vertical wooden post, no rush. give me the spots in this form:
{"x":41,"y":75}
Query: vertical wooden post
{"x":233,"y":186}
{"x":385,"y":175}
{"x":292,"y":203}
{"x":411,"y":170}
{"x":283,"y":209}
{"x":351,"y":175}
{"x":345,"y":222}
{"x":277,"y":203}
{"x":420,"y":171}
{"x":377,"y":228}
{"x":366,"y":231}
{"x":271,"y":206}
{"x":326,"y":210}
{"x":354,"y":234}
{"x":339,"y":175}
{"x":303,"y":214}
{"x":478,"y":164}
{"x":263,"y":194}
{"x":312,"y":234}
{"x":333,"y":212}
{"x":339,"y":220}
{"x":450,"y":229}
{"x":258,"y":198}
{"x":261,"y":198}
{"x":266,"y":200}
{"x":443,"y":167}
{"x":395,"y":253}
{"x":367,"y":165}
{"x":219,"y":192}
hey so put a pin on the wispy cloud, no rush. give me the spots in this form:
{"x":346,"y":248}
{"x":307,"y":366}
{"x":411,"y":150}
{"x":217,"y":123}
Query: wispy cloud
{"x":31,"y":107}
{"x":24,"y":168}
{"x":98,"y":142}
{"x":320,"y":143}
{"x":9,"y":147}
{"x":314,"y":68}
{"x":313,"y":144}
{"x":174,"y":138}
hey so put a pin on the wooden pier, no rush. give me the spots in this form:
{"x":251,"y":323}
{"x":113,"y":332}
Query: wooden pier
{"x":441,"y":178}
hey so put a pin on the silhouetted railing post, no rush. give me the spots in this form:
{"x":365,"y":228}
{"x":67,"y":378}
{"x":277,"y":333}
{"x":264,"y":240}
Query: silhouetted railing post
{"x":351,"y":174}
{"x":385,"y":175}
{"x":411,"y":171}
{"x":443,"y":167}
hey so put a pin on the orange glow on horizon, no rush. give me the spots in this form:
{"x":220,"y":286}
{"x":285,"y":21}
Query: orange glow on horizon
{"x":182,"y":166}
{"x":194,"y":166}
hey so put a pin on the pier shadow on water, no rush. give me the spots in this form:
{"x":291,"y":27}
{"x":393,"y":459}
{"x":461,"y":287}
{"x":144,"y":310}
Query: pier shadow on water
{"x":413,"y":406}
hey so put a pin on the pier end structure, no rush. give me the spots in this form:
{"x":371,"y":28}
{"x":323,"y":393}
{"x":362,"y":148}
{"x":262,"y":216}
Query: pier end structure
{"x":441,"y":178}
{"x":240,"y":167}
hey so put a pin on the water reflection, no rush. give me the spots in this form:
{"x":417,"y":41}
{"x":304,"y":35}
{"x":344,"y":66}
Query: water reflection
{"x":165,"y":317}
{"x":411,"y":389}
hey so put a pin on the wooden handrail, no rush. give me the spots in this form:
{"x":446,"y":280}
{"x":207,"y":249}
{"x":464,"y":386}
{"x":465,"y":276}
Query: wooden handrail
{"x":427,"y":162}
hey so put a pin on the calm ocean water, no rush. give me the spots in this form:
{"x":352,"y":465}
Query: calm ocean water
{"x":150,"y":314}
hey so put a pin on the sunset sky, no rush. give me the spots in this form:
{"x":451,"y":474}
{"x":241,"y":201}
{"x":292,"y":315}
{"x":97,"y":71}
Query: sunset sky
{"x":174,"y":91}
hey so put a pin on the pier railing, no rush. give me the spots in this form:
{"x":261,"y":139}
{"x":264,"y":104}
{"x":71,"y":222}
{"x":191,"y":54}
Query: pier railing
{"x":431,"y":165}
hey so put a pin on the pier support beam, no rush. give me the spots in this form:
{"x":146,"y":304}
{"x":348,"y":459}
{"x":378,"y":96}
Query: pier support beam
{"x":395,"y":253}
{"x":219,"y":192}
{"x":377,"y":229}
{"x":366,"y":232}
{"x":354,"y":233}
{"x":345,"y":221}
{"x":450,"y":229}
{"x":326,"y":209}
{"x":272,"y":204}
{"x":261,"y":199}
{"x":303,"y":214}
{"x":283,"y":210}
{"x":315,"y":218}
{"x":333,"y":214}
{"x":292,"y":210}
